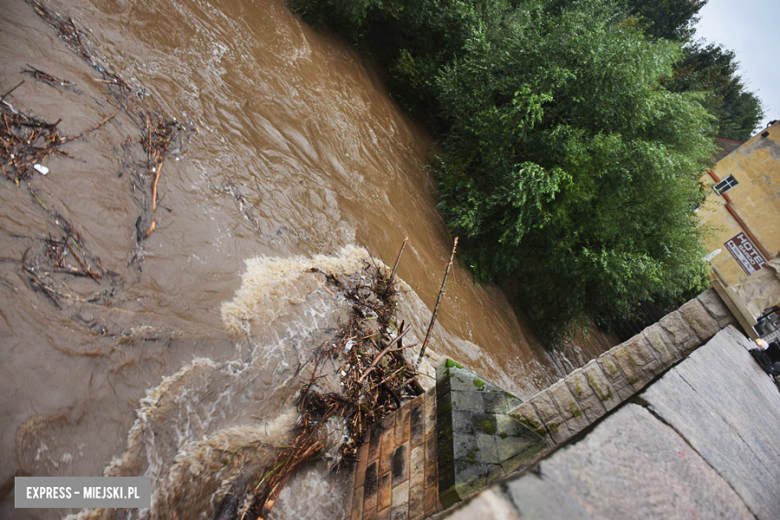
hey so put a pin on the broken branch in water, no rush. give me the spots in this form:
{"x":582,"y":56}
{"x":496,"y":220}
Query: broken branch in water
{"x":154,"y":187}
{"x":398,"y":259}
{"x":85,"y":132}
{"x":7,"y":93}
{"x":438,"y":301}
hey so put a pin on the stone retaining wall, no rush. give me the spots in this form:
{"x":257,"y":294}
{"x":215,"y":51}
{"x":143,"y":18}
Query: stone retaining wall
{"x":585,"y":395}
{"x":396,"y":476}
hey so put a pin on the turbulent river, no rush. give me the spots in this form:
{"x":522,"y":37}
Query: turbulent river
{"x":188,"y":348}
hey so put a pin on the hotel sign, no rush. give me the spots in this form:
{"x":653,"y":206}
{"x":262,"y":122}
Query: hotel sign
{"x":746,"y":255}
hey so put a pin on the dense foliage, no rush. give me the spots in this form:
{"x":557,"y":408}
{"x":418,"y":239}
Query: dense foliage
{"x":713,"y":69}
{"x":708,"y":68}
{"x":567,"y":162}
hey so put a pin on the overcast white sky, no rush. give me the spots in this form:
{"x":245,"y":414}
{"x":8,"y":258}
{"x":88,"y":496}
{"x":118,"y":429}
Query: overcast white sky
{"x":750,"y":29}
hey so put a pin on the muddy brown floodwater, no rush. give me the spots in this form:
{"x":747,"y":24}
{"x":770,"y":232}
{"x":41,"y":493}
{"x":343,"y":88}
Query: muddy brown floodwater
{"x":181,"y":361}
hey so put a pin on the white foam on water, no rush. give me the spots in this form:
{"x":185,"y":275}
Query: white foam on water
{"x":209,"y":420}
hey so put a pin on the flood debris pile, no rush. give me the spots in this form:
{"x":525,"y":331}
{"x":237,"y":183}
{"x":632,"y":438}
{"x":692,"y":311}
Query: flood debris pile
{"x":365,"y":362}
{"x":25,"y":141}
{"x":65,"y":254}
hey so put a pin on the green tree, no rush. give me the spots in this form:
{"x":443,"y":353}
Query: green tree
{"x":566,"y":162}
{"x":709,"y":68}
{"x":569,"y":166}
{"x":667,"y":19}
{"x":713,"y":69}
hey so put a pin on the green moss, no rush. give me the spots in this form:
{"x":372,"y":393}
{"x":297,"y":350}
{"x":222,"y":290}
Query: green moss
{"x":451,"y":364}
{"x":510,"y":395}
{"x":487,"y":427}
{"x":631,"y":358}
{"x":574,"y":409}
{"x":633,"y":380}
{"x":479,"y":383}
{"x":503,"y":435}
{"x":577,"y":386}
{"x":603,"y":396}
{"x":471,"y":456}
{"x":448,"y":408}
{"x":553,"y":426}
{"x":531,"y":425}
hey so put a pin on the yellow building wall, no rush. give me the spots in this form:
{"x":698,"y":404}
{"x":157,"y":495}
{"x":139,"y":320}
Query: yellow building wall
{"x":756,"y":200}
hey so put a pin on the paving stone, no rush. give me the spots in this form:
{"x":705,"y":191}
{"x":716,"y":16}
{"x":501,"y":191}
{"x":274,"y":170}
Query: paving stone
{"x":430,"y":461}
{"x":488,"y":505}
{"x":357,"y":504}
{"x":430,"y":411}
{"x":527,"y":416}
{"x":465,"y":447}
{"x":545,"y":406}
{"x":559,"y":431}
{"x":661,"y":344}
{"x":417,"y":470}
{"x":493,"y":402}
{"x":388,"y":422}
{"x":371,"y":481}
{"x":699,"y":319}
{"x":538,"y":498}
{"x":416,"y":419}
{"x":652,"y":369}
{"x":512,"y":402}
{"x":383,"y":514}
{"x":520,"y":461}
{"x":369,"y":507}
{"x":729,"y":411}
{"x":416,"y":502}
{"x":400,"y":513}
{"x":677,"y":327}
{"x":360,"y":472}
{"x":584,"y":395}
{"x":400,"y":495}
{"x":470,"y":477}
{"x":385,"y":491}
{"x":616,"y":378}
{"x":416,"y":422}
{"x":488,"y":449}
{"x":374,"y":436}
{"x":509,"y":425}
{"x":601,"y":385}
{"x":467,"y":401}
{"x":431,"y":500}
{"x":400,"y":464}
{"x":572,"y":414}
{"x":386,"y":448}
{"x":639,"y":351}
{"x":526,"y":444}
{"x":401,"y":433}
{"x":628,"y":365}
{"x":689,"y":346}
{"x":634,"y":466}
{"x":350,"y":491}
{"x":715,"y":306}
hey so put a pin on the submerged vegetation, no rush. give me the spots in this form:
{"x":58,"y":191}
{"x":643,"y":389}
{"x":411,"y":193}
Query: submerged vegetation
{"x":572,"y":138}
